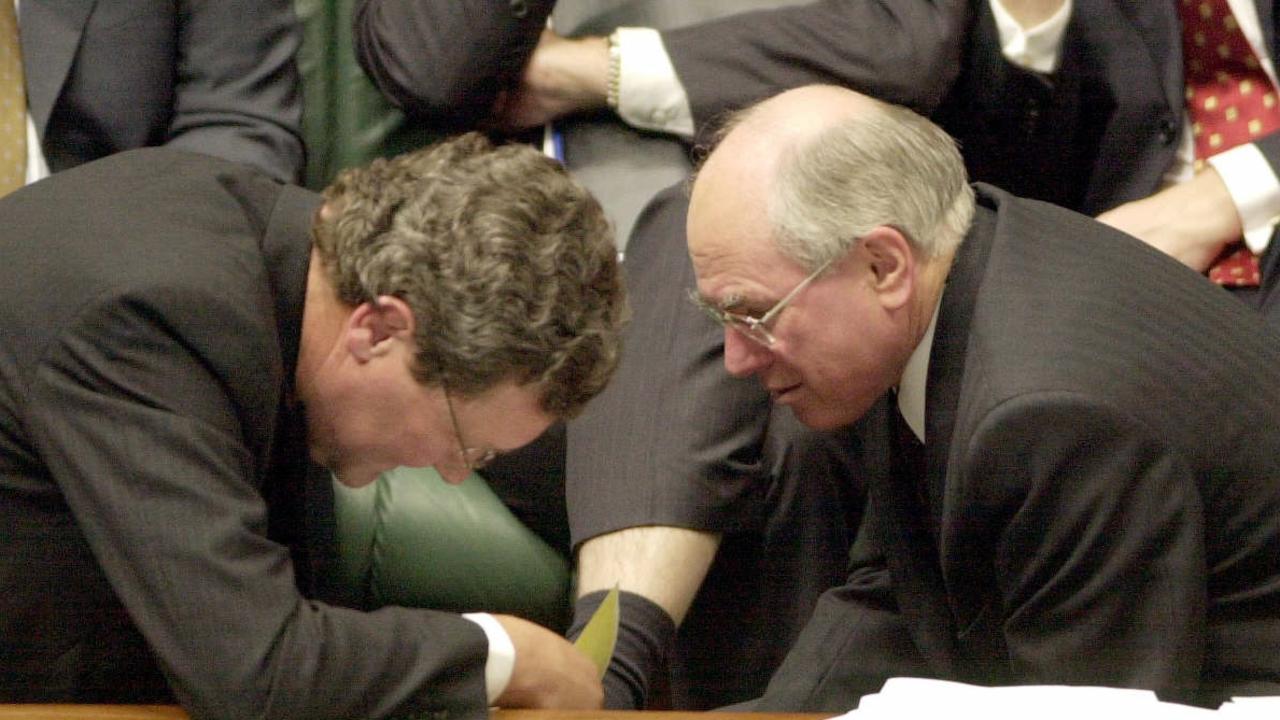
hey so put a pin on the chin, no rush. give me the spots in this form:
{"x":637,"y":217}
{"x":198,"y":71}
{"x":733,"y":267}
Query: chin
{"x":826,"y":418}
{"x":355,"y":475}
{"x":354,"y":479}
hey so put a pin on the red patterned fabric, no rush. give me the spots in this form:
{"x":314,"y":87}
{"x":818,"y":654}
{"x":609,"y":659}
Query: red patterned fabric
{"x":1230,"y":100}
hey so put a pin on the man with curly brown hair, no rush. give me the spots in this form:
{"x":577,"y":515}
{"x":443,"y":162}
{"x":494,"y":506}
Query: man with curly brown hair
{"x":202,"y":330}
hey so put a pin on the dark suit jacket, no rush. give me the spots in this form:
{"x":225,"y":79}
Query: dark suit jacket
{"x":1098,"y":504}
{"x":217,"y":78}
{"x":153,"y":460}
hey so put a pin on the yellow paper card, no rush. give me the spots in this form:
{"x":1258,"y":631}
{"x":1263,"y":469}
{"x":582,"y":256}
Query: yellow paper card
{"x":601,"y":633}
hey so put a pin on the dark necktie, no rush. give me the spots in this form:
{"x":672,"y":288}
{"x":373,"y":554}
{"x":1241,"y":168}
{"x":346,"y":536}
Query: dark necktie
{"x":909,"y":462}
{"x":13,"y":104}
{"x":1230,"y":101}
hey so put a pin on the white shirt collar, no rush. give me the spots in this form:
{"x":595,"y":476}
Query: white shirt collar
{"x":911,"y":389}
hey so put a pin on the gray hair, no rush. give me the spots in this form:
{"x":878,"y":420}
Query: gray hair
{"x":508,"y":264}
{"x":889,"y":167}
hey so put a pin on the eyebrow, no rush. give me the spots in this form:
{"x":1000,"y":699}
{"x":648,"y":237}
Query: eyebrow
{"x":727,"y":304}
{"x":742,"y":305}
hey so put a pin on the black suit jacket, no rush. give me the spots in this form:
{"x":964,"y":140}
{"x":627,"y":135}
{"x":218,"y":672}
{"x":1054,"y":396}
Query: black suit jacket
{"x":1098,"y":504}
{"x":153,"y":461}
{"x":216,"y":78}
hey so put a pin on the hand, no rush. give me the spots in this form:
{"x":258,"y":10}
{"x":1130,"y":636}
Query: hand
{"x":549,"y":671}
{"x":1191,"y":221}
{"x":563,"y":76}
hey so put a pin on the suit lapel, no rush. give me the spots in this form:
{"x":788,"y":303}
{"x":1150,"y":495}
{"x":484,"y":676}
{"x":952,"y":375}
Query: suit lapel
{"x":947,"y":357}
{"x":1267,"y":19}
{"x":900,"y":522}
{"x":51,"y":31}
{"x":903,"y":523}
{"x":1161,"y":34}
{"x":947,"y":363}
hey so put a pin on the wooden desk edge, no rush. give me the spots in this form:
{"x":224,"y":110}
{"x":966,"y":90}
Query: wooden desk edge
{"x":172,"y":712}
{"x":648,"y":715}
{"x":92,"y":712}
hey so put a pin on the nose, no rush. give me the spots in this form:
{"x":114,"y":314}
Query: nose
{"x":743,"y":357}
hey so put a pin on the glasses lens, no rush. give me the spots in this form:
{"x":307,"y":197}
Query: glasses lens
{"x":751,"y":328}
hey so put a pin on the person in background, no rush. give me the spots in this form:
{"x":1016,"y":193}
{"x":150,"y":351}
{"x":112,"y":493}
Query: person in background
{"x":207,"y":340}
{"x":79,"y":81}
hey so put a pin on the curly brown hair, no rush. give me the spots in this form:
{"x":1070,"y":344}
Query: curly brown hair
{"x":508,"y":264}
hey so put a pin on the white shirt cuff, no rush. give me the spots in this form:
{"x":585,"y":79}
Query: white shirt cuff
{"x":1254,"y":188}
{"x":1036,"y":49}
{"x":650,"y":95}
{"x":502,"y":654}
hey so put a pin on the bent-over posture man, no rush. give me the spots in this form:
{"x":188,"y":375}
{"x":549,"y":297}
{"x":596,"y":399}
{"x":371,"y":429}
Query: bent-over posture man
{"x":186,"y":339}
{"x":1083,"y":431}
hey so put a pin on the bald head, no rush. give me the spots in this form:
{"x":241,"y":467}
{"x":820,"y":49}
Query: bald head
{"x":753,"y":140}
{"x":806,"y":111}
{"x":821,"y":165}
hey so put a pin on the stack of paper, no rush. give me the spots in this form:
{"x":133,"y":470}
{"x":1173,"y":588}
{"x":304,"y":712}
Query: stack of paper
{"x":1251,"y":708}
{"x":915,"y":697}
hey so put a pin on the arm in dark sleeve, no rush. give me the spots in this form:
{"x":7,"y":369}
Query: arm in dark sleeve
{"x":903,"y":52}
{"x":676,"y":452}
{"x":856,"y":639}
{"x":1270,"y":147}
{"x":133,"y":414}
{"x":674,"y":440}
{"x":1097,"y":542}
{"x":236,"y":92}
{"x":446,"y":60}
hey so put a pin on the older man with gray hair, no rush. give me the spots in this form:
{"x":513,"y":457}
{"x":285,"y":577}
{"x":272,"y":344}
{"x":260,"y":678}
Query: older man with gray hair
{"x":1079,"y":432}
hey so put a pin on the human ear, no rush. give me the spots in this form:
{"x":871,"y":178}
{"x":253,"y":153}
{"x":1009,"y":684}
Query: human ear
{"x":374,"y":328}
{"x":892,"y":262}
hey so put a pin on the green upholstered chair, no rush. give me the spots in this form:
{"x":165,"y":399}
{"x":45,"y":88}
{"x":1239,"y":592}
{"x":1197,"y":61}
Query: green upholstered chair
{"x":345,"y":121}
{"x":411,"y":539}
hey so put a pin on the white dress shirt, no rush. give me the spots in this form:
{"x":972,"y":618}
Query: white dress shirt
{"x":502,"y":654}
{"x":37,"y":167}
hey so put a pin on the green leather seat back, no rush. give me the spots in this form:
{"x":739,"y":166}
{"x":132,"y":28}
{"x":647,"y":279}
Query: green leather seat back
{"x":345,"y":120}
{"x":411,"y":539}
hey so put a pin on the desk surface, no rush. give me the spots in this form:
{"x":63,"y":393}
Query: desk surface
{"x":647,"y":715}
{"x":92,"y":712}
{"x":170,"y":712}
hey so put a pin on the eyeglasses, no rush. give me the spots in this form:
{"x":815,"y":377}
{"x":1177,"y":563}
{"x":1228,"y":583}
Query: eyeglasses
{"x":474,"y":458}
{"x":755,"y":328}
